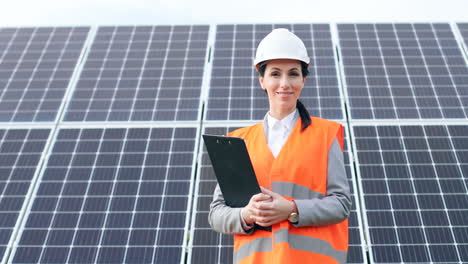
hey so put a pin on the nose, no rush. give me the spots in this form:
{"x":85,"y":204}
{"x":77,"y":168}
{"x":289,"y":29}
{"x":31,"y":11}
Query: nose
{"x":285,"y":83}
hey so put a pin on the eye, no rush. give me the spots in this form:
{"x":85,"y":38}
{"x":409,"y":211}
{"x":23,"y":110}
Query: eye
{"x":275,"y":73}
{"x":294,"y":73}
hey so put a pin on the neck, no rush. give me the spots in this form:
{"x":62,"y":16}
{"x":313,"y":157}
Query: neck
{"x":281,"y":113}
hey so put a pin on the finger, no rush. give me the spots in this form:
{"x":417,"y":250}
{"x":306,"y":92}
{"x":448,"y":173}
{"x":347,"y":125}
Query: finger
{"x":268,"y":192}
{"x":264,"y":205}
{"x":263,"y":213}
{"x":260,"y":197}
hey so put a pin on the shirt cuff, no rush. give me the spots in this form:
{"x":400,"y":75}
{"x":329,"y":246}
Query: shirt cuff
{"x":245,"y":226}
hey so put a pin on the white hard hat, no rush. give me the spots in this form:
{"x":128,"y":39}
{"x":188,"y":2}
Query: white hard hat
{"x":281,"y":44}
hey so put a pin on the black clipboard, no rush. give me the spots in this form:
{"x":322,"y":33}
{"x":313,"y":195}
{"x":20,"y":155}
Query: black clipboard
{"x":233,"y":169}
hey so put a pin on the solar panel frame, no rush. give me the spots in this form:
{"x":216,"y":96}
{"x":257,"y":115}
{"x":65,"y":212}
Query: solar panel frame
{"x":222,"y":252}
{"x":149,"y":127}
{"x":402,"y":250}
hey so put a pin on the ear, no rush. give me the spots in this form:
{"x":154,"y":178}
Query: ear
{"x":260,"y":79}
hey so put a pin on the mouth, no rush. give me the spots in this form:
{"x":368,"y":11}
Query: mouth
{"x":285,"y":94}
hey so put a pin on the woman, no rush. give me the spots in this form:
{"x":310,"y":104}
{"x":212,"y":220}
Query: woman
{"x":299,"y":164}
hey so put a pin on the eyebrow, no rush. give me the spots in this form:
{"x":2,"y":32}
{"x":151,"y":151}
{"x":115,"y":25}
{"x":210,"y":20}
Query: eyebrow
{"x":278,"y":69}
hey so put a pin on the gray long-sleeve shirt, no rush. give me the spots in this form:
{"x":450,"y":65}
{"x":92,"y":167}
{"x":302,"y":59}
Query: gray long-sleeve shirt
{"x":324,"y":210}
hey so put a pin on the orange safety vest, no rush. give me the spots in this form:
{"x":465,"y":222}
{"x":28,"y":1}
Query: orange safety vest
{"x":298,"y":172}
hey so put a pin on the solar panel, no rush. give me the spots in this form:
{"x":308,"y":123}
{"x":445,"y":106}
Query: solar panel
{"x":111,"y":195}
{"x":141,"y":74}
{"x":463,"y":27}
{"x":36,"y":65}
{"x":208,"y":246}
{"x":415,"y":192}
{"x":234,"y":91}
{"x":403,"y":71}
{"x":20,"y":153}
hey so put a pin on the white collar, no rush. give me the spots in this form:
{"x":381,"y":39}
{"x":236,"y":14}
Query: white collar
{"x":288,"y":121}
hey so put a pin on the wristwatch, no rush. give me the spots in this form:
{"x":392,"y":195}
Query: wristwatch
{"x":293,"y":218}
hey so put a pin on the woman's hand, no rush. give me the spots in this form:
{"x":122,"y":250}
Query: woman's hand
{"x":267,"y":208}
{"x":250,"y":211}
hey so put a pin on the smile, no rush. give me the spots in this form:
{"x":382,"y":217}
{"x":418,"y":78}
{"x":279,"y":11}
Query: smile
{"x":283,"y":94}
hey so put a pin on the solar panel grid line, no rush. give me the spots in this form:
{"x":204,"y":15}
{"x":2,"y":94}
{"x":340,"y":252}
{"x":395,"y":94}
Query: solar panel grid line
{"x":207,"y":72}
{"x":2,"y":58}
{"x":157,"y":69}
{"x":75,"y":77}
{"x":436,"y":33}
{"x":369,"y":122}
{"x":158,"y":233}
{"x":56,"y":209}
{"x":358,"y":199}
{"x":86,"y":193}
{"x":120,"y":72}
{"x":184,"y":65}
{"x":166,"y":57}
{"x":340,"y":74}
{"x":108,"y":207}
{"x":37,"y":67}
{"x":126,"y":47}
{"x":341,"y":77}
{"x":231,"y":68}
{"x":365,"y":80}
{"x":17,"y":65}
{"x":35,"y":71}
{"x":131,"y":124}
{"x":363,"y":204}
{"x":386,"y":72}
{"x":411,"y":84}
{"x":408,"y":140}
{"x":414,"y":188}
{"x":81,"y":72}
{"x":2,"y":195}
{"x":431,"y":45}
{"x":450,"y":226}
{"x":461,"y":33}
{"x":192,"y":203}
{"x":27,"y":197}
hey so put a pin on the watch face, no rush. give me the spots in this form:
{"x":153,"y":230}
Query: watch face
{"x":293,"y":218}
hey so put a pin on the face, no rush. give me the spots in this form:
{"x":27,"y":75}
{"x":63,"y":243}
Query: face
{"x":283,"y":82}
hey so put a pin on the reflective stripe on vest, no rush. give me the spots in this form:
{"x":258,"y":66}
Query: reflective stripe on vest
{"x":298,"y":242}
{"x":261,"y":244}
{"x":310,"y":244}
{"x":295,"y":191}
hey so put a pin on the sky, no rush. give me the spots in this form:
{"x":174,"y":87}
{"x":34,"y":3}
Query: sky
{"x":176,"y":12}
